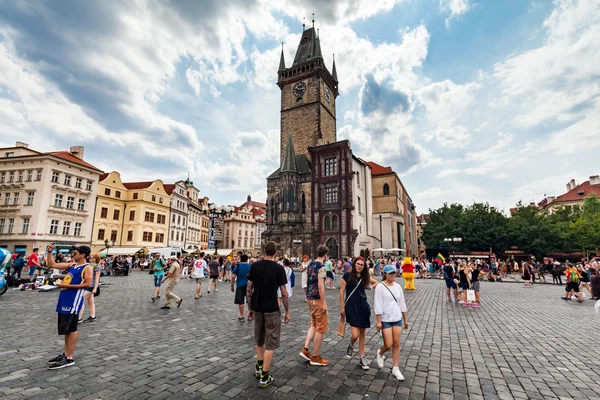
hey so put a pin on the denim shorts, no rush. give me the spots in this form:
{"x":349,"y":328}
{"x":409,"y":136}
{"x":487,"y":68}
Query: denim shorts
{"x":157,"y":279}
{"x":450,"y":283}
{"x":387,"y":325}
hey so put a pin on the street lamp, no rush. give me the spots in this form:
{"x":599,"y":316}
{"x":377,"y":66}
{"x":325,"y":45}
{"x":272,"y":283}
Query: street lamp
{"x":214,"y":211}
{"x":453,"y":240}
{"x":380,"y":231}
{"x":108,"y":245}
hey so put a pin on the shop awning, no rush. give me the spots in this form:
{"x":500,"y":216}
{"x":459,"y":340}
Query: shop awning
{"x":122,"y":251}
{"x":467,"y":256}
{"x":221,"y":252}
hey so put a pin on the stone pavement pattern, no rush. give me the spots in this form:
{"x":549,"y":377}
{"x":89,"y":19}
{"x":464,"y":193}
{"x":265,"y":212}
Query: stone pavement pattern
{"x":523,"y":343}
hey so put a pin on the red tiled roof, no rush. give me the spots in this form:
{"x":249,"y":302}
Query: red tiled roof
{"x":169,"y":187}
{"x":65,"y":155}
{"x":103,"y":177}
{"x":422,"y":218}
{"x":137,"y":185}
{"x":377,"y":169}
{"x":574,"y":194}
{"x":257,"y":208}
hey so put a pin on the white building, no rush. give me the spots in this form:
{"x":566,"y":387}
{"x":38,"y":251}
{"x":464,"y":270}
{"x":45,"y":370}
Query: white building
{"x":362,"y":214}
{"x":46,"y":197}
{"x":179,"y":213}
{"x":193,"y":234}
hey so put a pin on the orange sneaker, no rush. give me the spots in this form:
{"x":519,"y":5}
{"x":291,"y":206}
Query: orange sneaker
{"x":305,"y":354}
{"x":318,"y":360}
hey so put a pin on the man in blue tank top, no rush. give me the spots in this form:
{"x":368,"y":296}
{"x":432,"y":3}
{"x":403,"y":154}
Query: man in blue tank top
{"x":78,"y":277}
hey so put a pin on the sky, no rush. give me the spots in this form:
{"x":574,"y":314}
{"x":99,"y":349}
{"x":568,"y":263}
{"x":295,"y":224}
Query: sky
{"x":494,"y":101}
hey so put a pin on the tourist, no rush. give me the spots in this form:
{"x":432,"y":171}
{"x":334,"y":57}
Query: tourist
{"x":199,"y":269}
{"x":185,"y":273}
{"x":264,"y":278}
{"x":526,"y":275}
{"x":228,"y":267}
{"x":239,"y":278}
{"x":90,"y":292}
{"x":158,"y":265}
{"x":557,"y":272}
{"x":289,"y":275}
{"x":572,"y":287}
{"x":33,"y":263}
{"x":464,"y":282}
{"x":303,"y":267}
{"x":172,"y":276}
{"x":317,"y":306}
{"x":329,"y":274}
{"x":18,"y":265}
{"x":390,"y":310}
{"x":70,"y":300}
{"x":595,"y":284}
{"x":354,"y":306}
{"x":476,"y":273}
{"x":213,"y":268}
{"x":585,"y":279}
{"x":448,"y":271}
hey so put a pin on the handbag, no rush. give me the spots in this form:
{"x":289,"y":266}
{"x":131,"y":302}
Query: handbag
{"x":97,"y":291}
{"x":341,"y":328}
{"x":470,"y":295}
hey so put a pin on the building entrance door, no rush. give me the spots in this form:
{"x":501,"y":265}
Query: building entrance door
{"x":333,"y":248}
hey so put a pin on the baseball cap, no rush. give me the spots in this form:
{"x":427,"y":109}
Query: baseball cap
{"x":173,"y":257}
{"x":85,"y":250}
{"x":389,"y":269}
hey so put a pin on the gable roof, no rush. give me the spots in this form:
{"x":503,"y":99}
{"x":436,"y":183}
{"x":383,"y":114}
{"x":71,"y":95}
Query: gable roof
{"x":137,"y":185}
{"x":169,"y":187}
{"x":377,"y":169}
{"x":65,"y":155}
{"x":579,"y":192}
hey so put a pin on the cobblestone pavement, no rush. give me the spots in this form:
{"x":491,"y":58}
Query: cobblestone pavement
{"x":523,"y":343}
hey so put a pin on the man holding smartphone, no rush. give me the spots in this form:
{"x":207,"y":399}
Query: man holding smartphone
{"x":78,"y":277}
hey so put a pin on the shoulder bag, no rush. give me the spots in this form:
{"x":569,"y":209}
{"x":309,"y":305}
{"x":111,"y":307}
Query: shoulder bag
{"x":341,"y":329}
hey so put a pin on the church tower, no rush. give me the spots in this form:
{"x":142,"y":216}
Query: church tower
{"x":308,"y":94}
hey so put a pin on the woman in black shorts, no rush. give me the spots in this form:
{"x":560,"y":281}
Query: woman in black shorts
{"x":526,"y":274}
{"x":585,"y":280}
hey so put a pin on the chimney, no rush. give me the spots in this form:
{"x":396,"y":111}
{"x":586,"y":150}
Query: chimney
{"x":249,"y":198}
{"x":551,"y":199}
{"x":594,"y":180}
{"x":77,"y":151}
{"x":571,"y":185}
{"x":21,"y":144}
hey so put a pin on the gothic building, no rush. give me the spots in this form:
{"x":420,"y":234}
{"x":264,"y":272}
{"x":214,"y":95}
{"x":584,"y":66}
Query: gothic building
{"x":309,"y":197}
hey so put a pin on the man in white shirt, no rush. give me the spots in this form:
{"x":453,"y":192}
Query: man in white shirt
{"x":199,"y":268}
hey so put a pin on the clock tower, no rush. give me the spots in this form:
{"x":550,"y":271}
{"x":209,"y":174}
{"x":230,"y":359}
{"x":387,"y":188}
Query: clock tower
{"x":308,"y":94}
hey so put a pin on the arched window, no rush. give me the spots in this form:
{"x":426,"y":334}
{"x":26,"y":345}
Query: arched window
{"x":284,"y":199}
{"x":303,"y":204}
{"x":386,"y":190}
{"x":327,"y":224}
{"x":292,"y":199}
{"x":335,"y":223}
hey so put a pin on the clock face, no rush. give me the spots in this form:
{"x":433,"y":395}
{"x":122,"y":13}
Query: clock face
{"x":300,"y":89}
{"x":327,"y":94}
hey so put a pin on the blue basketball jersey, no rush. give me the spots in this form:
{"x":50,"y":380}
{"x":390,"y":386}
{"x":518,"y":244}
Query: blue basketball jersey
{"x":71,"y":300}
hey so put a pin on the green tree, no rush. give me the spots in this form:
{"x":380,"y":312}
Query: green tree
{"x":445,"y":222}
{"x":530,"y":230}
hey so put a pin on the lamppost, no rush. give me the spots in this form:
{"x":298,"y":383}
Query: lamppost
{"x":453,"y":240}
{"x":108,"y":245}
{"x":380,"y":231}
{"x":215,"y":211}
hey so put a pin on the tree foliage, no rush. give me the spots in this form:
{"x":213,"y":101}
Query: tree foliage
{"x":567,"y":229}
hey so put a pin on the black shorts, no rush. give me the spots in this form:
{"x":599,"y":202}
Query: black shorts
{"x":240,"y":295}
{"x":214,"y":276}
{"x":67,"y":323}
{"x":330,"y":274}
{"x":574,"y":286}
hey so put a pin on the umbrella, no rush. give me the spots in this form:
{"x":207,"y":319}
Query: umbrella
{"x":379,"y":249}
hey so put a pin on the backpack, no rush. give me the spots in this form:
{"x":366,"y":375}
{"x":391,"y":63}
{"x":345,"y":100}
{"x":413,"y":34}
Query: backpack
{"x":293,"y":279}
{"x":573,"y":277}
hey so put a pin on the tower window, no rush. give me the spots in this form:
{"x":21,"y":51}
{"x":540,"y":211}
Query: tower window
{"x":331,"y":195}
{"x":386,"y":190}
{"x":330,"y":166}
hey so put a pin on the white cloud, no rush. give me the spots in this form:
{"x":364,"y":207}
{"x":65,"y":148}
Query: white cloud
{"x":454,"y":8}
{"x":434,"y":192}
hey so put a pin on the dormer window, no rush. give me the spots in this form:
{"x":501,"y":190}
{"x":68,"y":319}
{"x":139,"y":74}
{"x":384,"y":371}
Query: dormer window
{"x":305,"y":41}
{"x":581,"y":193}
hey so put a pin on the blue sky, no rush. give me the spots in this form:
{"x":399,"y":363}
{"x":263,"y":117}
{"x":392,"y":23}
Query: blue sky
{"x":494,"y":101}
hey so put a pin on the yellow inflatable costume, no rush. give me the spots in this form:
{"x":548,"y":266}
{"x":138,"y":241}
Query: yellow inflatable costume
{"x":408,"y":273}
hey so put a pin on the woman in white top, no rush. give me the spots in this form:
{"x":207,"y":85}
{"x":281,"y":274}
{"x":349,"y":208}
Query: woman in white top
{"x":390,"y":310}
{"x":303,"y":267}
{"x":287,"y":267}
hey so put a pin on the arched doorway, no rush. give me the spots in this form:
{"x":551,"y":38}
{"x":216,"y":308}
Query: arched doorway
{"x":333,"y":248}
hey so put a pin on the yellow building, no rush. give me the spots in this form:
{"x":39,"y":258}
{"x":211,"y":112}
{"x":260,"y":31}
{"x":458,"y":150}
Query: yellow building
{"x":130,"y":216}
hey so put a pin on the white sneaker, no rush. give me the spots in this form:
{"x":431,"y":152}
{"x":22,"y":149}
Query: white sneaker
{"x":380,"y":360}
{"x":396,"y":372}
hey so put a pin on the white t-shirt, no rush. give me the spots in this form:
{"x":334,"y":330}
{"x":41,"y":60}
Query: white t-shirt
{"x":199,"y":267}
{"x":386,"y":306}
{"x":288,"y":285}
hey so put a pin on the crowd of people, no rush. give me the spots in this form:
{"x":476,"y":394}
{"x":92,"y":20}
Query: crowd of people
{"x":264,"y":285}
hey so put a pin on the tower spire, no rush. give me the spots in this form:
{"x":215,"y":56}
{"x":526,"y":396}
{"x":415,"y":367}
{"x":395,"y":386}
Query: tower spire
{"x":289,"y":158}
{"x":303,"y":23}
{"x":333,"y":70}
{"x":313,"y":19}
{"x":281,"y":60}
